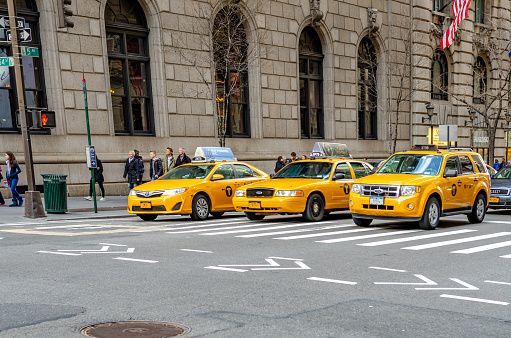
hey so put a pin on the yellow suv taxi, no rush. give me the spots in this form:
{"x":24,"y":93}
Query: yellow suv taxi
{"x":312,"y":187}
{"x":422,"y":185}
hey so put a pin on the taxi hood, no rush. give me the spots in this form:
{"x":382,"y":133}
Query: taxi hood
{"x":286,"y":183}
{"x":167,"y":184}
{"x":396,"y":179}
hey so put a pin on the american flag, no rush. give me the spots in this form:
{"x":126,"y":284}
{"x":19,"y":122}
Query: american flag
{"x":460,"y":12}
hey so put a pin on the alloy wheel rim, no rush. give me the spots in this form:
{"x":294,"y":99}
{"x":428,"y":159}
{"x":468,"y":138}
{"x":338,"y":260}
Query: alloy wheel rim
{"x":433,"y":214}
{"x":480,"y":209}
{"x":202,"y":207}
{"x":315,"y":207}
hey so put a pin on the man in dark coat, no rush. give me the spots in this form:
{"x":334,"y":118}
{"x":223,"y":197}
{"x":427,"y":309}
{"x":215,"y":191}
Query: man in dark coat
{"x":140,"y":165}
{"x":155,"y":166}
{"x":99,"y":179}
{"x":132,"y":170}
{"x":182,"y":158}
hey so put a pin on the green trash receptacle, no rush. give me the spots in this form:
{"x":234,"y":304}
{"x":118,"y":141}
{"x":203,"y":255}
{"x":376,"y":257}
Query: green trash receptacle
{"x":55,"y":193}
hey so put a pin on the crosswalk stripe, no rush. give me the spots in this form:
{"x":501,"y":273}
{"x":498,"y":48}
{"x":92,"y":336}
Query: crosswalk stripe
{"x":295,"y":231}
{"x":261,"y":229}
{"x":456,"y":241}
{"x":192,"y":225}
{"x":483,"y":248}
{"x":328,"y":233}
{"x":416,"y":238}
{"x":255,"y":224}
{"x":354,"y":238}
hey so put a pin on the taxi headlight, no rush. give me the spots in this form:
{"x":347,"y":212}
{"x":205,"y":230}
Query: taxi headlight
{"x":289,"y":193}
{"x":172,"y":192}
{"x":240,"y":193}
{"x":356,"y":188}
{"x":133,"y":192}
{"x":409,"y":190}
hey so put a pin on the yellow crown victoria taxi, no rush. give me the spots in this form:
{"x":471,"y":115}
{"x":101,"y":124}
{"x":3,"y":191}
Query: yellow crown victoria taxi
{"x":421,"y":186}
{"x":196,"y":189}
{"x":312,"y":188}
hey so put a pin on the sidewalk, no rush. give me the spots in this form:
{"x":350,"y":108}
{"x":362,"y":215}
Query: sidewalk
{"x":78,"y":208}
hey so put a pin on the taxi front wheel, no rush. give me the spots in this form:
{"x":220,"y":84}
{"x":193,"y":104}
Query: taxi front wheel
{"x":315,"y":208}
{"x":200,"y":207}
{"x":478,"y":210}
{"x":431,"y":216}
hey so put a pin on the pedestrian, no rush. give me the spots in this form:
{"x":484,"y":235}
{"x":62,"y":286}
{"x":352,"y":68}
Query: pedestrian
{"x":496,"y":165}
{"x":155,"y":166}
{"x":99,"y":179}
{"x":281,"y":163}
{"x":132,"y":170}
{"x":11,"y":174}
{"x":503,"y":163}
{"x":169,"y":162}
{"x":293,"y":158}
{"x":2,"y":201}
{"x":182,"y":158}
{"x":140,"y":165}
{"x":304,"y":157}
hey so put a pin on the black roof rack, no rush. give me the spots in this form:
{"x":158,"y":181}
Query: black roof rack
{"x":461,"y":149}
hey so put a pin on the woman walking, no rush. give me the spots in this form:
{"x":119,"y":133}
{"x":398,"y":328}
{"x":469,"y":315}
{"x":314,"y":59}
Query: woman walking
{"x":2,"y":201}
{"x":11,"y":174}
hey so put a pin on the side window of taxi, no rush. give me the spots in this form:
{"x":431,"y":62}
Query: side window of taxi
{"x":451,"y":164}
{"x":226,"y":170}
{"x":467,"y":167}
{"x":343,"y":168}
{"x":243,"y":171}
{"x":479,"y":163}
{"x":360,"y":170}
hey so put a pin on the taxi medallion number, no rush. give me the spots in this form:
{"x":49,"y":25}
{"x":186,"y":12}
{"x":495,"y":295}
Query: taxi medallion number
{"x":145,"y":205}
{"x":254,"y":205}
{"x":494,"y":200}
{"x":376,"y":200}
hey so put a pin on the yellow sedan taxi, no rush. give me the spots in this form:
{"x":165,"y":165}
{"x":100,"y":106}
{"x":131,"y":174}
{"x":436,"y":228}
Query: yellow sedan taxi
{"x":196,"y":189}
{"x":312,"y":188}
{"x":422,"y":185}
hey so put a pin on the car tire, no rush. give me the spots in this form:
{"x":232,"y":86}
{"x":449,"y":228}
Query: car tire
{"x":362,"y":222}
{"x":217,"y":214}
{"x":431,"y":216}
{"x":200,"y":207}
{"x":253,"y":217}
{"x":147,"y":217}
{"x":314,"y":209}
{"x":478,"y":210}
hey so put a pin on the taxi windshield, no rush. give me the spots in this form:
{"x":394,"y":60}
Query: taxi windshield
{"x":504,"y":173}
{"x":189,"y":172}
{"x":316,"y":170}
{"x":414,"y":164}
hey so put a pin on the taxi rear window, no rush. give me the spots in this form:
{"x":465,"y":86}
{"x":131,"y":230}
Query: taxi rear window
{"x":189,"y":172}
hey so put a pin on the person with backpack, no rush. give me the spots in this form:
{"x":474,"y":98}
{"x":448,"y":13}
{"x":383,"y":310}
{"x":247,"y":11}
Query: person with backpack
{"x":155,"y":166}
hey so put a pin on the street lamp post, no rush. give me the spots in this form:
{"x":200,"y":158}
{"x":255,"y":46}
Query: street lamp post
{"x":472,"y":117}
{"x":430,"y":109}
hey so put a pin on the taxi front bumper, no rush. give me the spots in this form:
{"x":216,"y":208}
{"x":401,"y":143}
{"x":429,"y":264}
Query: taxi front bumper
{"x":502,"y":202}
{"x":403,"y":208}
{"x":271,"y":205}
{"x":177,"y":204}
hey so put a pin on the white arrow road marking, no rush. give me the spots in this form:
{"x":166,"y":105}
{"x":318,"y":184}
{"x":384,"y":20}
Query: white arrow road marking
{"x":467,"y":286}
{"x":130,"y":250}
{"x":228,"y":269}
{"x":191,"y":250}
{"x":475,"y":299}
{"x":272,"y":265}
{"x":425,"y":279}
{"x":387,"y":269}
{"x":60,"y":253}
{"x":112,"y":244}
{"x":331,"y":280}
{"x":104,"y":248}
{"x":302,"y":266}
{"x":135,"y":260}
{"x":271,"y":261}
{"x":494,"y":282}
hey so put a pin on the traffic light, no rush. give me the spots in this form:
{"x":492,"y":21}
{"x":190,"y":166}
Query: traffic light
{"x":65,"y":13}
{"x":47,"y":119}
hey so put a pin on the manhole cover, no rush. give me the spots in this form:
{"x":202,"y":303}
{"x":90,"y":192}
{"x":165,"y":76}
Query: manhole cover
{"x":139,"y":329}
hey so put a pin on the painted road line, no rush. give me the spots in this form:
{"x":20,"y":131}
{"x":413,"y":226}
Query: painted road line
{"x":103,"y":248}
{"x":331,"y":280}
{"x":475,"y":299}
{"x":191,"y":250}
{"x":456,"y":241}
{"x":327,"y":233}
{"x":60,"y":253}
{"x":505,"y":256}
{"x":260,"y":229}
{"x":386,"y":269}
{"x":483,"y":248}
{"x":227,"y":269}
{"x":465,"y":284}
{"x":494,"y":282}
{"x":135,"y":260}
{"x":355,"y":238}
{"x":218,"y":229}
{"x":498,"y":222}
{"x":295,"y":231}
{"x":202,"y":225}
{"x":424,"y":278}
{"x":416,"y":238}
{"x":287,"y":259}
{"x":112,"y":244}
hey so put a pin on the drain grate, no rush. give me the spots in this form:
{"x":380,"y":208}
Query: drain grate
{"x":131,"y":329}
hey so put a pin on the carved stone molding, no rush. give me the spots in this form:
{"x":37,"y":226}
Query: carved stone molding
{"x":316,"y":13}
{"x":482,"y":40}
{"x":435,"y":32}
{"x":372,"y":14}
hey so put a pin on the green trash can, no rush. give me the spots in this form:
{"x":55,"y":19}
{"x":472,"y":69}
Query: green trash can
{"x":55,"y":193}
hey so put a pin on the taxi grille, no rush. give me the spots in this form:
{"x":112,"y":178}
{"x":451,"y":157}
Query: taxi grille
{"x":499,"y":191}
{"x":391,"y":191}
{"x":149,"y":194}
{"x":378,"y":207}
{"x":262,"y":192}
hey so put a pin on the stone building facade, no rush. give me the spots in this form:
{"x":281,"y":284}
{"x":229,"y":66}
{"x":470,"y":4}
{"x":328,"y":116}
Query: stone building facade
{"x":316,"y":70}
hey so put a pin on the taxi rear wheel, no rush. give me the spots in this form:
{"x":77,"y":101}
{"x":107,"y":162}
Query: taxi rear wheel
{"x":217,"y":214}
{"x":200,"y":207}
{"x":478,"y":210}
{"x":253,"y":217}
{"x":431,"y":216}
{"x":315,"y":208}
{"x":147,"y":217}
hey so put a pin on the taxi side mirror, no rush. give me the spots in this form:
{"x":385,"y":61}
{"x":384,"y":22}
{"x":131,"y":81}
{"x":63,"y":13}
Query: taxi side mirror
{"x":217,"y":177}
{"x":451,"y":173}
{"x":339,"y":176}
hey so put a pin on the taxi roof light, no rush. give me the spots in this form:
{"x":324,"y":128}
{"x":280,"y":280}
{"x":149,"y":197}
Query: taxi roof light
{"x":461,"y":149}
{"x":213,"y":154}
{"x":426,"y":147}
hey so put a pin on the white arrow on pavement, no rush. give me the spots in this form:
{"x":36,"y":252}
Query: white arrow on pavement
{"x":425,"y":279}
{"x":272,"y":265}
{"x":467,"y":286}
{"x":104,"y":249}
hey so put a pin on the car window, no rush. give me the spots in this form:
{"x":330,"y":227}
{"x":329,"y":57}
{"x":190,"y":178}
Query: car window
{"x":368,"y":168}
{"x":359,"y":169}
{"x":243,"y":171}
{"x":343,"y":168}
{"x":504,"y":173}
{"x":226,"y":170}
{"x":467,"y":167}
{"x":414,"y":164}
{"x":479,"y":163}
{"x":451,"y":164}
{"x":305,"y":169}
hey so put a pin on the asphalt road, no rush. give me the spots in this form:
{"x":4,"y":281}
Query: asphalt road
{"x":281,"y":277}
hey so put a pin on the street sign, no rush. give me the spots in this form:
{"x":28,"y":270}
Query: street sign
{"x":90,"y":152}
{"x":25,"y":35}
{"x":448,"y":133}
{"x":30,"y":51}
{"x":5,"y":23}
{"x":6,"y":62}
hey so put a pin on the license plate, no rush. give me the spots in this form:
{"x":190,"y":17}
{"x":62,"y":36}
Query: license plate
{"x":254,"y":205}
{"x":376,"y":200}
{"x":145,"y":205}
{"x":494,"y":200}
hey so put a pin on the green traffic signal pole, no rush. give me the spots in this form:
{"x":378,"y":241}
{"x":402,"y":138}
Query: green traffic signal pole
{"x":88,"y":137}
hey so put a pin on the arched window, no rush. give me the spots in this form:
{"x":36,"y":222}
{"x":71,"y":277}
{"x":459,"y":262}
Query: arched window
{"x":128,"y":61}
{"x":479,"y":11}
{"x":32,"y":69}
{"x":439,"y":76}
{"x":230,"y":52}
{"x":311,"y":84}
{"x":480,"y":80}
{"x":367,"y":90}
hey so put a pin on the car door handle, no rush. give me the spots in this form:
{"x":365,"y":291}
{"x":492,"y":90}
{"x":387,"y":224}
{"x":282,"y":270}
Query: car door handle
{"x":459,"y":182}
{"x":476,"y":179}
